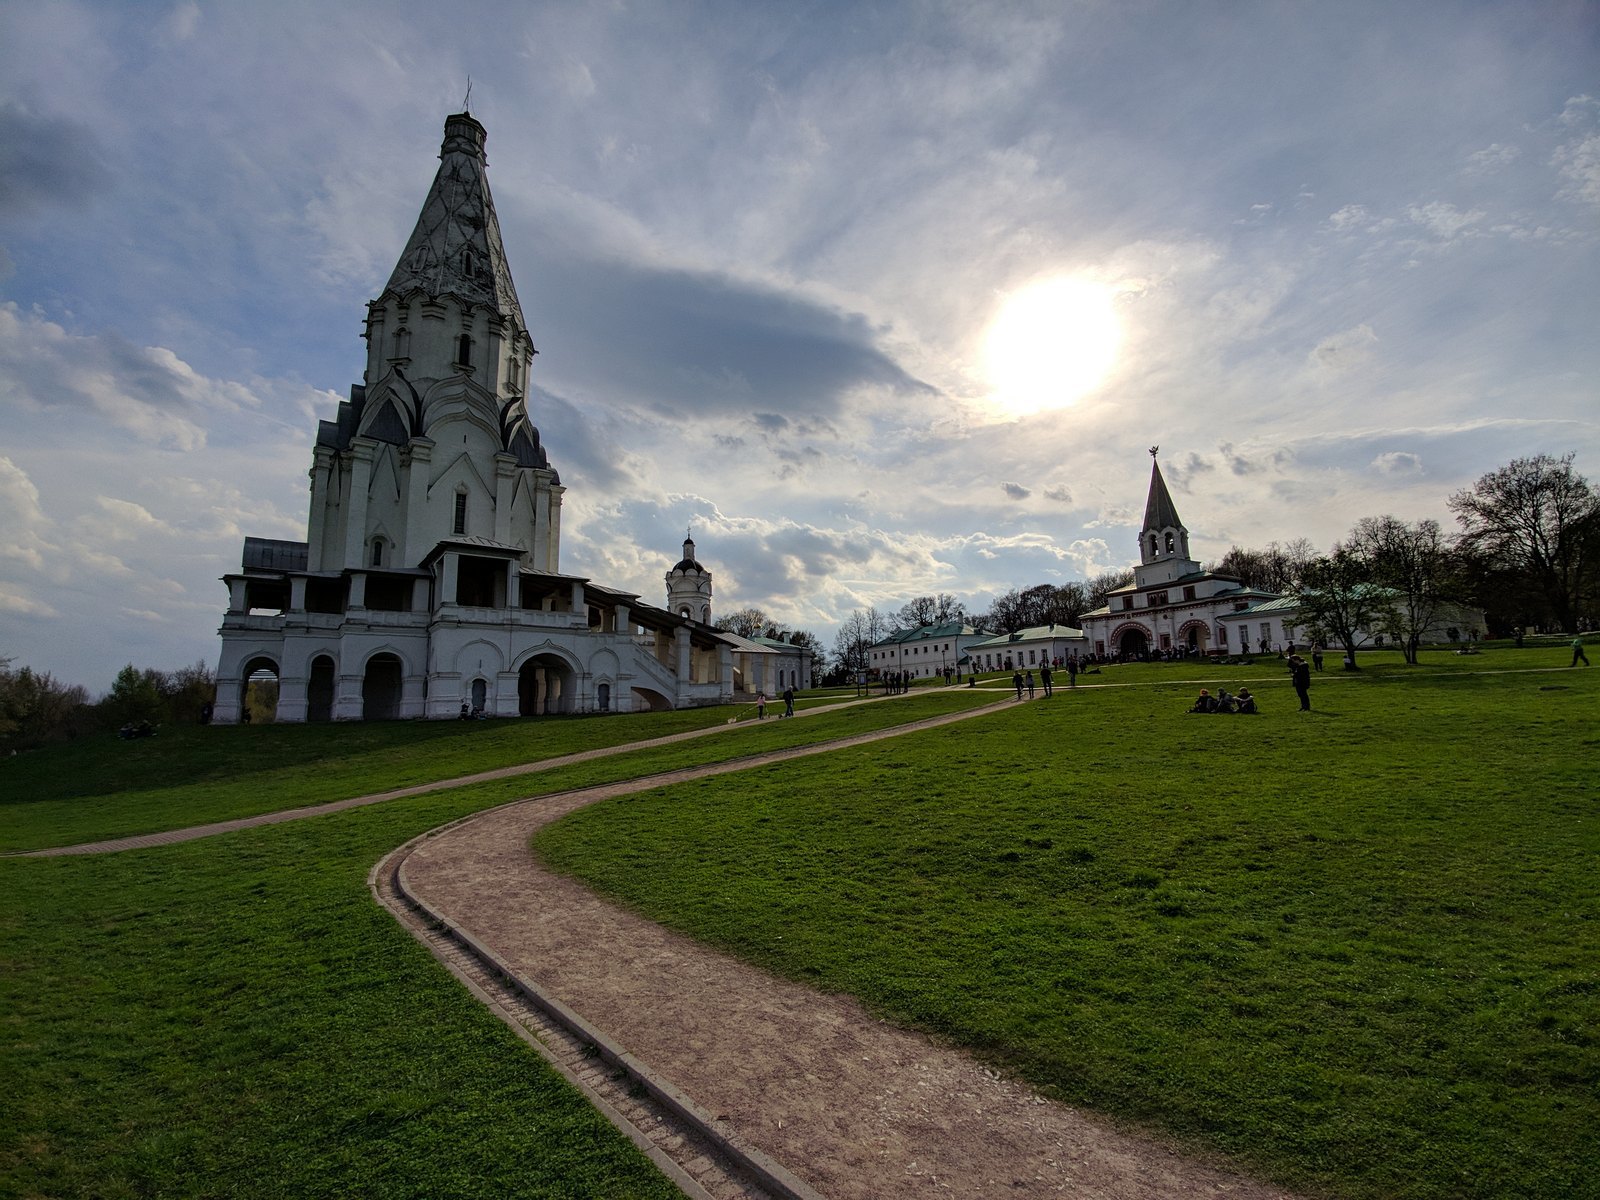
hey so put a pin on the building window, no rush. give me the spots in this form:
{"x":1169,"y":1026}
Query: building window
{"x":1156,"y":599}
{"x":1127,"y":602}
{"x":1188,"y":593}
{"x":460,"y":525}
{"x":1171,"y":544}
{"x":377,"y":552}
{"x":466,"y":263}
{"x":464,"y":351}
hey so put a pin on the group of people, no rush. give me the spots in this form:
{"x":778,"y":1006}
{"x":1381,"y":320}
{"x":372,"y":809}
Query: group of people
{"x":788,"y":704}
{"x":1244,"y":702}
{"x":1023,"y":680}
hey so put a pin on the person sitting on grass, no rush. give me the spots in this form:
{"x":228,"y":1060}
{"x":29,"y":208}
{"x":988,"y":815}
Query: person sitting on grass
{"x":1225,"y":702}
{"x":1204,"y":703}
{"x":1247,"y":702}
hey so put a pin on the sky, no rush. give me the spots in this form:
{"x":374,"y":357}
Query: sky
{"x":881,"y":299}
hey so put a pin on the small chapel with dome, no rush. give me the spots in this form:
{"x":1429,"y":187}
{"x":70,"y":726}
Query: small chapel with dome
{"x":429,"y":583}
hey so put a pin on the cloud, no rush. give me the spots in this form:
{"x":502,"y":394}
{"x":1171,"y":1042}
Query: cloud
{"x":1578,"y":160}
{"x":1016,"y":491}
{"x":119,"y":519}
{"x":1444,"y":221}
{"x":13,"y":600}
{"x":1342,"y":351}
{"x":1397,"y":462}
{"x":1491,"y":158}
{"x":46,"y":162}
{"x":147,"y":391}
{"x":1059,"y":493}
{"x":20,"y":516}
{"x":690,"y":344}
{"x":1350,"y":218}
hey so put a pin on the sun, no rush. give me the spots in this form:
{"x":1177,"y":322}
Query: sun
{"x":1051,"y":343}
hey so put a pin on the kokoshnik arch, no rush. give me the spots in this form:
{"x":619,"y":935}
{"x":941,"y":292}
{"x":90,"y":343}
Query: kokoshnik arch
{"x":429,"y":580}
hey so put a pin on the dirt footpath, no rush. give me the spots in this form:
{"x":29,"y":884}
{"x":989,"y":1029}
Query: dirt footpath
{"x":853,"y":1106}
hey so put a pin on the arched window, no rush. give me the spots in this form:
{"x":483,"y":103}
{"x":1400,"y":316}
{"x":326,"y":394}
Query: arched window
{"x":466,"y":263}
{"x":377,"y":552}
{"x":402,"y":342}
{"x":1152,"y":544}
{"x":460,"y":524}
{"x":464,"y":351}
{"x":1171,"y":543}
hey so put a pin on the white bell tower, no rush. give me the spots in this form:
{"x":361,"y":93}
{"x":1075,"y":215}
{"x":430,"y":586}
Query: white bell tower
{"x":689,"y":586}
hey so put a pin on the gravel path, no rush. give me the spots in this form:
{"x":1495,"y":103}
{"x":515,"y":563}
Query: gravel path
{"x":852,"y":1106}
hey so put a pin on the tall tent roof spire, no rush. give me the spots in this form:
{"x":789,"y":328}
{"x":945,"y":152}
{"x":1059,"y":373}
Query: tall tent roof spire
{"x":1159,"y":510}
{"x":456,"y":246}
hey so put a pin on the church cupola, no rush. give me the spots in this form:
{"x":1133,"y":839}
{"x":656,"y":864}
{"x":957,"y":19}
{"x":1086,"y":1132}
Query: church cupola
{"x":1163,"y":542}
{"x":689,"y":586}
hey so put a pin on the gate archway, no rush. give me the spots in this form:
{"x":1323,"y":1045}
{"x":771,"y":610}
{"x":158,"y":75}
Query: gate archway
{"x":380,"y":688}
{"x":1133,"y":642}
{"x":259,"y":690}
{"x":320,"y":688}
{"x":544,"y":686}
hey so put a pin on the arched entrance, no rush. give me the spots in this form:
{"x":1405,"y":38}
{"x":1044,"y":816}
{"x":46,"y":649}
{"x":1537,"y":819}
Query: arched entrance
{"x":380,"y":688}
{"x":544,"y":686}
{"x":602,"y":697}
{"x":260,"y":692}
{"x":480,"y":695}
{"x":320,"y":688}
{"x":1196,"y":635}
{"x":1132,"y":642}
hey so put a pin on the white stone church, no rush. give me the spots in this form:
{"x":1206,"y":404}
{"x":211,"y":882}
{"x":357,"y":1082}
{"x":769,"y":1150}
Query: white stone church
{"x":1172,"y":604}
{"x":429,"y":582}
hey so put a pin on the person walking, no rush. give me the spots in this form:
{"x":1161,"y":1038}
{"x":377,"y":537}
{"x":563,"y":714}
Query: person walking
{"x":1029,"y":680}
{"x":1016,"y":682}
{"x":1072,"y":671}
{"x":788,"y":701}
{"x":1316,"y":657}
{"x":1577,"y":651}
{"x":761,"y":706}
{"x":1047,"y":678}
{"x":1300,"y":676}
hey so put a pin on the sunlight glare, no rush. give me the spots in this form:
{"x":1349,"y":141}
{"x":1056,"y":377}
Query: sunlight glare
{"x":1051,"y":344}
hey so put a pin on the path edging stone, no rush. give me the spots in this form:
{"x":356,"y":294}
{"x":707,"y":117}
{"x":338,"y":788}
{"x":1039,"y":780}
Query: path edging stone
{"x":771,"y":1175}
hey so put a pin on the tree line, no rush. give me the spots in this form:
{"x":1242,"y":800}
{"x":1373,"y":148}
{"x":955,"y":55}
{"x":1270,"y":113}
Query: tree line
{"x":36,"y":708}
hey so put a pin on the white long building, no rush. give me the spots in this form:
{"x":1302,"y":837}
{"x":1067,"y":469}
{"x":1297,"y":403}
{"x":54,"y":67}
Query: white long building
{"x":429,"y":579}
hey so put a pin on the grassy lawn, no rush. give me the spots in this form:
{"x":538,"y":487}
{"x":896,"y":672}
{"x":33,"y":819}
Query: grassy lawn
{"x":104,"y":787}
{"x":1354,"y":949}
{"x":235,"y":1016}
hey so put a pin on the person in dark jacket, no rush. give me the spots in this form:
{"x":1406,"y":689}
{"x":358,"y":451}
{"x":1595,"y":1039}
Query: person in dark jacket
{"x":1300,"y":676}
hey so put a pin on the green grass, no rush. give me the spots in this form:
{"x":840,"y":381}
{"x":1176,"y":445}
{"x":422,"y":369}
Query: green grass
{"x":1354,"y":949}
{"x":104,"y":787}
{"x":236,"y":1016}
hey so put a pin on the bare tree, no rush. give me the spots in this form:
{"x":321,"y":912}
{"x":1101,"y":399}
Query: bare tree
{"x":855,"y":638}
{"x":747,"y":622}
{"x":1274,"y":569}
{"x":1538,"y":517}
{"x":1102,"y":585}
{"x":1415,"y":563}
{"x":939,"y":609}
